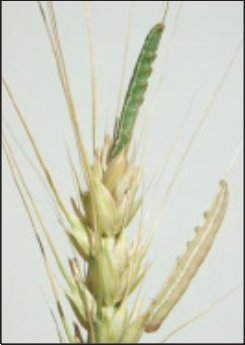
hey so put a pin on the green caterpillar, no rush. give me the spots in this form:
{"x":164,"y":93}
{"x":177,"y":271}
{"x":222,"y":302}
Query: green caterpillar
{"x":136,"y":91}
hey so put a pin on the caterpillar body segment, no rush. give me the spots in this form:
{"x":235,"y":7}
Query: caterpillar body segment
{"x":137,"y":90}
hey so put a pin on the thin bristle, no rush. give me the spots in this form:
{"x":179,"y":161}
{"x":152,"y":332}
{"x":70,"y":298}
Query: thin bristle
{"x":125,"y":62}
{"x":26,"y":156}
{"x":14,"y":167}
{"x":166,"y":11}
{"x":201,"y":315}
{"x":195,"y":135}
{"x":175,"y":142}
{"x":54,"y":39}
{"x":234,"y":159}
{"x":93,"y":73}
{"x":36,"y":150}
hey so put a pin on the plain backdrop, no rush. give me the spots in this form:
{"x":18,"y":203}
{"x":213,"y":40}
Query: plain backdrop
{"x":192,"y":64}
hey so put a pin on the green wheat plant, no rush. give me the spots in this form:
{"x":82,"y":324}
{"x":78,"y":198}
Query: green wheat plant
{"x":106,"y":268}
